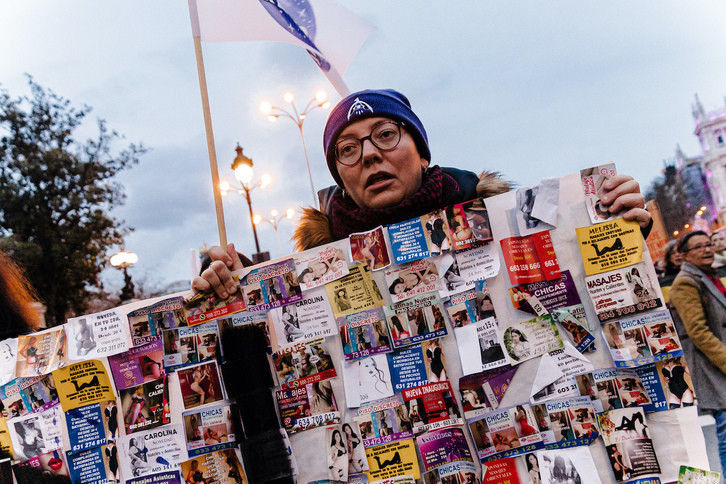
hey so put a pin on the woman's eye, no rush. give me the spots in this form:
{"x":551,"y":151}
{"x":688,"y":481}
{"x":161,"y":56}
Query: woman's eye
{"x":386,"y":134}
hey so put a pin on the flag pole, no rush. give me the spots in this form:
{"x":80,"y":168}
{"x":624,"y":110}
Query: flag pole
{"x":208,"y":124}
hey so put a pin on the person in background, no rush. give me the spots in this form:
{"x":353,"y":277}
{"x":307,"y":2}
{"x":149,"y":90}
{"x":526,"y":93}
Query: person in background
{"x":700,"y":300}
{"x":671,"y":265}
{"x":18,"y":317}
{"x":718,"y":239}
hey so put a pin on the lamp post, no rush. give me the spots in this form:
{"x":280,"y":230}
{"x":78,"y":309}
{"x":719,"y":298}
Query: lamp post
{"x":275,"y":221}
{"x":123,"y":260}
{"x":273,"y":112}
{"x":242,"y":166}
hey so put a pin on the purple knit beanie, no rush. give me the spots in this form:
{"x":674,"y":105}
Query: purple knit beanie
{"x":385,"y":103}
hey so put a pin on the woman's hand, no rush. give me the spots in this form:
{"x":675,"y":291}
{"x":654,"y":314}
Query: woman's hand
{"x":218,"y":276}
{"x":622,"y":193}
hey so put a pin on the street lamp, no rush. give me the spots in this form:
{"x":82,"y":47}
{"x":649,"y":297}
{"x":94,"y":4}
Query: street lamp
{"x":275,"y":221}
{"x":242,"y":167}
{"x":273,"y":112}
{"x":123,"y":260}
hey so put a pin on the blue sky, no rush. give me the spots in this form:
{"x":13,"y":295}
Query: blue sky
{"x":531,"y":89}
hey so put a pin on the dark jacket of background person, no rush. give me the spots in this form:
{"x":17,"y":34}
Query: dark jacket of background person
{"x":702,"y":309}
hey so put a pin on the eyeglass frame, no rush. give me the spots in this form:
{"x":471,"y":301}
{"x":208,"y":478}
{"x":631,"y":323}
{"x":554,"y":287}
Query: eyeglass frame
{"x":398,"y":124}
{"x":710,"y":245}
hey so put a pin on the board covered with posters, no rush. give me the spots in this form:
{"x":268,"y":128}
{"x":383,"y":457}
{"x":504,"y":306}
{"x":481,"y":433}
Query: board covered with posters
{"x":533,"y":346}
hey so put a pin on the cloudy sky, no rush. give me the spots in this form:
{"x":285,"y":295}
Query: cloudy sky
{"x":531,"y":89}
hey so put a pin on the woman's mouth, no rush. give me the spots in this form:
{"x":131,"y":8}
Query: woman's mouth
{"x":378,"y":179}
{"x":55,"y":464}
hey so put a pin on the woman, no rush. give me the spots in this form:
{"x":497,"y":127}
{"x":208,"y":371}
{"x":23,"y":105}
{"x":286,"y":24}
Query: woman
{"x":378,"y":153}
{"x":233,"y":471}
{"x":356,"y":454}
{"x":111,"y":412}
{"x":399,"y":332}
{"x":621,"y":471}
{"x":195,"y":476}
{"x":680,"y":393}
{"x":369,"y":244}
{"x":521,"y":416}
{"x":137,"y":403}
{"x":337,"y":458}
{"x":196,"y":385}
{"x":435,"y":227}
{"x":671,"y":264}
{"x":433,"y":355}
{"x":341,"y":300}
{"x":376,"y":378}
{"x":460,"y":230}
{"x":533,"y":469}
{"x":112,"y":462}
{"x":519,"y":345}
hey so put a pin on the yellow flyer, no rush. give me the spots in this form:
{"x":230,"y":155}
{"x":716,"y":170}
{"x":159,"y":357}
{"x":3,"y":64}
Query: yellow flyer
{"x":610,"y":245}
{"x":6,"y":445}
{"x":82,"y":384}
{"x":391,"y":460}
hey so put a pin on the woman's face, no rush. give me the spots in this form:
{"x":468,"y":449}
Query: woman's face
{"x":719,"y":241}
{"x":381,"y":178}
{"x":308,"y":277}
{"x":703,"y":255}
{"x":370,"y":366}
{"x":676,"y":258}
{"x":516,"y":337}
{"x":5,"y":353}
{"x":399,"y":288}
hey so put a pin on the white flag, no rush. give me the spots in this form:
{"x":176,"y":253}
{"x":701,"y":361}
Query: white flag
{"x":331,"y":33}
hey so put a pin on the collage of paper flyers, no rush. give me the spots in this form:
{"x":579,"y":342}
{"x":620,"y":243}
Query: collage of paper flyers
{"x":521,"y":338}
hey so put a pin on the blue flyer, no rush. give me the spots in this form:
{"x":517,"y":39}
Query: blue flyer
{"x":171,"y":477}
{"x":87,"y":466}
{"x":408,"y":369}
{"x":85,"y":427}
{"x":408,"y":241}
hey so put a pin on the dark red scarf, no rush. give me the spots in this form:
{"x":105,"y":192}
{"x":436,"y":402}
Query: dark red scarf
{"x":435,"y":192}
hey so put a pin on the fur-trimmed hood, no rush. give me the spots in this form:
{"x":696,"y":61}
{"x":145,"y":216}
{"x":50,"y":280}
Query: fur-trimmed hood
{"x":313,"y":229}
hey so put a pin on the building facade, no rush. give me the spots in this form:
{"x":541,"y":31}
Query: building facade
{"x":711,"y":133}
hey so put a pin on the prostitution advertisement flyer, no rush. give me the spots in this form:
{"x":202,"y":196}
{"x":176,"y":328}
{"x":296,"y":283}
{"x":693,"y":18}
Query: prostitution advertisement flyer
{"x":452,"y":281}
{"x":8,"y":350}
{"x":152,"y":451}
{"x":363,"y":334}
{"x":40,"y":353}
{"x":384,"y":421}
{"x":537,"y":200}
{"x":530,"y":259}
{"x":482,"y":392}
{"x":628,"y":444}
{"x":624,"y":292}
{"x":355,"y":292}
{"x":416,"y":320}
{"x":200,"y":384}
{"x":469,"y":224}
{"x":138,"y":365}
{"x":366,"y":380}
{"x":87,"y":427}
{"x":37,"y":433}
{"x":209,"y":429}
{"x":271,"y":286}
{"x":409,"y":242}
{"x":308,"y":318}
{"x":391,"y":460}
{"x":83,"y":383}
{"x":220,"y":467}
{"x":554,"y":294}
{"x":145,"y":406}
{"x":676,"y":383}
{"x":432,"y":407}
{"x":307,"y":406}
{"x":316,"y":267}
{"x":462,"y":309}
{"x":480,"y":347}
{"x":556,"y":374}
{"x":303,"y":363}
{"x":411,"y":279}
{"x":190,"y":345}
{"x":478,"y":263}
{"x":370,"y":248}
{"x":610,"y":245}
{"x":417,"y":365}
{"x":150,"y":321}
{"x":443,"y":446}
{"x":505,"y":433}
{"x":96,"y":335}
{"x":592,"y":180}
{"x":613,"y":388}
{"x":51,"y":463}
{"x":567,"y":422}
{"x":29,"y":395}
{"x":460,"y":472}
{"x":565,"y":465}
{"x":574,"y":321}
{"x":501,"y":471}
{"x":642,"y":339}
{"x":204,"y":306}
{"x":529,"y":339}
{"x":173,"y":477}
{"x":87,"y":466}
{"x":691,"y":475}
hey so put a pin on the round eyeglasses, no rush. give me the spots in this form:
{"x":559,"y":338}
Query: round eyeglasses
{"x":385,"y":137}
